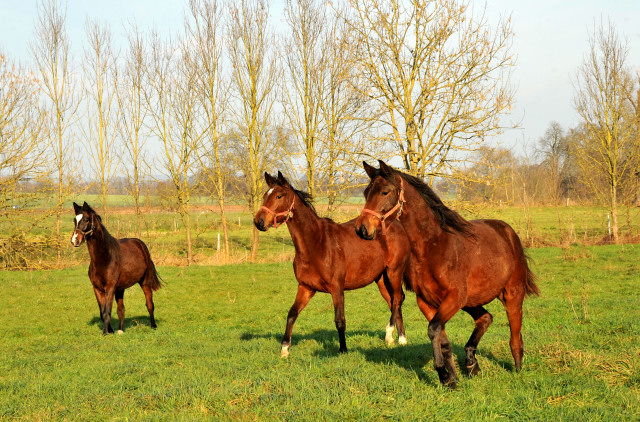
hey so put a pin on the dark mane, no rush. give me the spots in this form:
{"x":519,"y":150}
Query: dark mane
{"x":111,"y":242}
{"x":449,"y":219}
{"x":305,"y":197}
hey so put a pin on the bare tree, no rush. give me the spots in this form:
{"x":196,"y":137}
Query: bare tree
{"x":171,"y":100}
{"x":554,"y":149}
{"x":204,"y":28}
{"x":440,"y":73}
{"x":23,"y":145}
{"x":347,"y":123}
{"x":255,"y":73}
{"x":53,"y":61}
{"x":100,"y":132}
{"x":132,"y":114}
{"x":305,"y":61}
{"x":602,"y":86}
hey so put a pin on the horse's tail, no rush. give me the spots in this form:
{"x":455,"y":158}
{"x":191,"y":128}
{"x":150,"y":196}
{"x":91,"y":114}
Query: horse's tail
{"x":530,"y":282}
{"x":152,"y":278}
{"x":530,"y":286}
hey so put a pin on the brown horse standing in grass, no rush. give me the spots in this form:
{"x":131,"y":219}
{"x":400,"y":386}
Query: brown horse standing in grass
{"x":116,"y":265}
{"x":331,"y":258}
{"x":455,"y":264}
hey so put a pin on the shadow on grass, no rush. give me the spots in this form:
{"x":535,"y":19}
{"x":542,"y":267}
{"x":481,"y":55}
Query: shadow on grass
{"x":129,"y":322}
{"x":416,"y":357}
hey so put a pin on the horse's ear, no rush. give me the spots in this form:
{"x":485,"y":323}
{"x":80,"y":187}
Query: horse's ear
{"x":384,"y":168}
{"x":76,"y":208}
{"x":281,"y":180}
{"x":371,"y":171}
{"x":269,"y":179}
{"x":87,"y":208}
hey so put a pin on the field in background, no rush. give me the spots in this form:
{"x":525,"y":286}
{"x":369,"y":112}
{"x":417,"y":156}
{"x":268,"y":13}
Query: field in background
{"x":215,"y":354}
{"x":164,"y":233}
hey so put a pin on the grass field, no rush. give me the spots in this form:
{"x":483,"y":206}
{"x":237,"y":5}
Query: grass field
{"x":215,"y":354}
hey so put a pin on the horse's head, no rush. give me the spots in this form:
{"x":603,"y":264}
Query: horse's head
{"x":277,"y":203}
{"x":384,"y":201}
{"x":85,"y":222}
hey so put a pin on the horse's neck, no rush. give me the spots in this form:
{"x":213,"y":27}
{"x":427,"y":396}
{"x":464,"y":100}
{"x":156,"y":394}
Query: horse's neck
{"x":418,"y":219}
{"x":303,"y":228}
{"x":98,"y":245}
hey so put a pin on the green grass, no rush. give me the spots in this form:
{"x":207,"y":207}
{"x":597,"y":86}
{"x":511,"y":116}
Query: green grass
{"x":215,"y":354}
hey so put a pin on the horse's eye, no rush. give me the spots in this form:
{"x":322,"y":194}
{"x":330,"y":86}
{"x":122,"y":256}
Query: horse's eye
{"x":385,"y":193}
{"x":279,"y":196}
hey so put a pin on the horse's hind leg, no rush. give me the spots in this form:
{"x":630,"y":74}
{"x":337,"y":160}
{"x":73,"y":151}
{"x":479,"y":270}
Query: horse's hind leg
{"x":512,"y":302}
{"x":483,"y":320}
{"x":148,"y":295}
{"x":120,"y":304}
{"x":302,"y":298}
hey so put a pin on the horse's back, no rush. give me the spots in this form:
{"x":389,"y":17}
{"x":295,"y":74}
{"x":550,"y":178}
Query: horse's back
{"x":495,"y":258}
{"x":134,"y":261}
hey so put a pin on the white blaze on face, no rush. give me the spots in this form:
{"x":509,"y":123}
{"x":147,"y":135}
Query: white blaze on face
{"x":74,"y":238}
{"x":269,"y":191}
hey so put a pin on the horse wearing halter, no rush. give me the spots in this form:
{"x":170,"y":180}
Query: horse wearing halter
{"x":288,"y":213}
{"x":88,"y":232}
{"x":397,"y":207}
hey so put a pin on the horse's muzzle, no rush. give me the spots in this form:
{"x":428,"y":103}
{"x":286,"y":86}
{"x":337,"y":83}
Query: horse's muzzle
{"x":362,"y":231}
{"x":76,"y":240}
{"x":259,"y":223}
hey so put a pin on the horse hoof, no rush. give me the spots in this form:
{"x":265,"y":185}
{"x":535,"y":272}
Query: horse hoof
{"x":342,"y":350}
{"x":284,"y":353}
{"x":452,"y":384}
{"x":402,"y":341}
{"x":389,"y":341}
{"x":120,"y":332}
{"x":473,"y":369}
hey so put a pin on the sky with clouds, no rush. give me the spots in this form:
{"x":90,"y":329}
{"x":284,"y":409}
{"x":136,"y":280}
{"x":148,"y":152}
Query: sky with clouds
{"x":551,"y":39}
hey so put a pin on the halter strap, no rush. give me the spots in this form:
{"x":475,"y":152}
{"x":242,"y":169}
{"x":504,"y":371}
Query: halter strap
{"x":288,"y":213}
{"x":88,"y":232}
{"x":397,"y":207}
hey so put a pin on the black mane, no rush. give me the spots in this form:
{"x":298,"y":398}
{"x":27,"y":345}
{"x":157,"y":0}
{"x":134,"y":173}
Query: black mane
{"x":111,"y":242}
{"x":447,"y":218}
{"x":305,"y":197}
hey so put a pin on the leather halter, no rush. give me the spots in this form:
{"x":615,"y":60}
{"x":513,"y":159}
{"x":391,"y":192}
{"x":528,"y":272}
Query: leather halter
{"x":88,"y":232}
{"x":397,"y":207}
{"x":288,"y":213}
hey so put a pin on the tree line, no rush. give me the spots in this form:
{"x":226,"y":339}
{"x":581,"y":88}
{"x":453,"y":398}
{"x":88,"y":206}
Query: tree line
{"x":214,"y":104}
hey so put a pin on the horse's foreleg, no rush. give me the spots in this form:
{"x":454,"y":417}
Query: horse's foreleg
{"x":120,"y":304}
{"x":148,"y":295}
{"x":383,"y":286}
{"x":102,"y":303}
{"x":303,"y":297}
{"x":106,"y":312}
{"x":341,"y":323}
{"x":393,"y":281}
{"x":442,"y":350}
{"x":483,"y":320}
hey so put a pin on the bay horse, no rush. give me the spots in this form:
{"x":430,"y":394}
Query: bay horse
{"x":331,"y":258}
{"x":116,"y":265}
{"x":455,"y":264}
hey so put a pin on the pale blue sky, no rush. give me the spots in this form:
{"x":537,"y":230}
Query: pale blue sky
{"x":550,"y":42}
